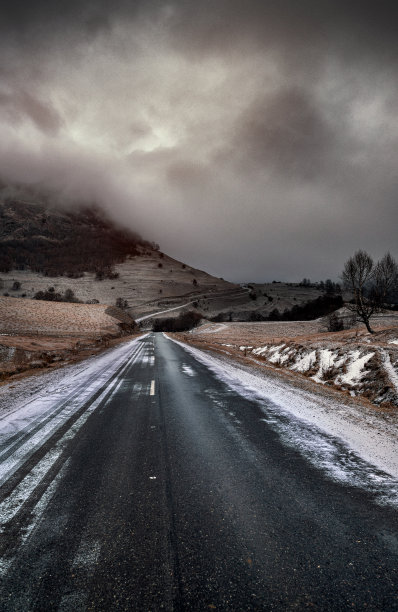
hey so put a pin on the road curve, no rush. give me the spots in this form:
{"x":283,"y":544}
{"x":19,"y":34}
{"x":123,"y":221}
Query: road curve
{"x":168,"y":491}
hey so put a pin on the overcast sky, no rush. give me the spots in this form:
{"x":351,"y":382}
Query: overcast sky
{"x":255,"y":139}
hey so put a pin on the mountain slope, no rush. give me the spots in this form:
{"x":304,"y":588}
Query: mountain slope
{"x":55,"y":242}
{"x":85,"y":252}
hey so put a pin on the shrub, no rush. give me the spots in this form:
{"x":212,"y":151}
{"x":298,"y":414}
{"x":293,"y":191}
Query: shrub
{"x":256,"y":316}
{"x":335,"y":323}
{"x":69,"y":296}
{"x":106,"y":272}
{"x":221,"y":317}
{"x":121,"y":303}
{"x":50,"y":295}
{"x":274,"y":315}
{"x":321,"y":306}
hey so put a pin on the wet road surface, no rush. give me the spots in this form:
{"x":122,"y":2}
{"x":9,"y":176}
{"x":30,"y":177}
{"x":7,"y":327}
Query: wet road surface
{"x":175,"y":494}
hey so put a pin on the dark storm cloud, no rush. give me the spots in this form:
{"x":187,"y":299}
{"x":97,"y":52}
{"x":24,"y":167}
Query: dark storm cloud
{"x":23,"y":16}
{"x":248,"y":137}
{"x":285,"y":132}
{"x":208,"y":24}
{"x":300,"y":32}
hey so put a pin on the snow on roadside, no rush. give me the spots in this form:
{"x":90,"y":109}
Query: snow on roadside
{"x":327,"y":360}
{"x":360,"y":370}
{"x":355,"y":369}
{"x":305,"y":362}
{"x":351,"y":443}
{"x":24,"y":400}
{"x":391,"y":371}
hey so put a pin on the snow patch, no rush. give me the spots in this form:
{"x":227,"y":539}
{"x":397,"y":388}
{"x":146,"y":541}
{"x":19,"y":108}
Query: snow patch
{"x":389,"y":368}
{"x":305,"y":363}
{"x":260,"y":350}
{"x":355,"y":369}
{"x":188,"y":370}
{"x":327,"y":360}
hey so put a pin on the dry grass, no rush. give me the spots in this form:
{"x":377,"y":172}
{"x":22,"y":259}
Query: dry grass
{"x":146,"y":286}
{"x":36,"y":334}
{"x":275,"y":332}
{"x":24,"y":317}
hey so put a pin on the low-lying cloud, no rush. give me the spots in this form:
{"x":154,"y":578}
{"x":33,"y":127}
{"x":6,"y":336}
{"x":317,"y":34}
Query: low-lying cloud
{"x":253,"y":139}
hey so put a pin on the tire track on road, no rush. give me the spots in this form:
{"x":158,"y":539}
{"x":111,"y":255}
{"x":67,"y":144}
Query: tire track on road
{"x":43,"y":467}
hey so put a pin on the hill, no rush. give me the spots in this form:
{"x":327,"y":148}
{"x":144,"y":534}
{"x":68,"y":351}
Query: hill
{"x":86,"y":254}
{"x":60,"y":243}
{"x":43,"y":247}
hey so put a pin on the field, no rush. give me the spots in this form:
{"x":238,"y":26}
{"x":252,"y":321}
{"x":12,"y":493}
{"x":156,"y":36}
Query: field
{"x":37,"y":334}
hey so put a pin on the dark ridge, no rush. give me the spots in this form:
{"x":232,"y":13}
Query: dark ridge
{"x":56,"y":243}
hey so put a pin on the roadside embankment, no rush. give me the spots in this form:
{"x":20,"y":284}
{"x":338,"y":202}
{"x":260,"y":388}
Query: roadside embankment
{"x":352,"y":362}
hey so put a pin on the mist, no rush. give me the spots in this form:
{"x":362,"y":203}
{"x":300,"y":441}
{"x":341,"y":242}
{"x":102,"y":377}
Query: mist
{"x":254,"y":140}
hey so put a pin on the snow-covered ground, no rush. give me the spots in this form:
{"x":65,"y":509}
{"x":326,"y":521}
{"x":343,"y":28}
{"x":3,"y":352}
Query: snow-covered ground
{"x":364,"y":369}
{"x":352,"y":443}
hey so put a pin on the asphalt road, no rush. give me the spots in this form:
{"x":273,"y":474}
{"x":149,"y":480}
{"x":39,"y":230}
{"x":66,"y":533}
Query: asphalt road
{"x":174,"y":494}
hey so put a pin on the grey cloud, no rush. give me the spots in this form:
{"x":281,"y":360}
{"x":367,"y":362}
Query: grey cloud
{"x":42,"y":114}
{"x":207,"y":25}
{"x":286,"y":133}
{"x":255,"y":138}
{"x":20,"y":105}
{"x":186,"y":174}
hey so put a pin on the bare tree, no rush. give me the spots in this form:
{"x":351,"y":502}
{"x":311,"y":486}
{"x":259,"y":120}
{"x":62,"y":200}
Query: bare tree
{"x":385,"y":278}
{"x":370,"y":284}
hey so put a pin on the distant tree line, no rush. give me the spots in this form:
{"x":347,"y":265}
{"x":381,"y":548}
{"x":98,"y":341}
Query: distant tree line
{"x":184,"y":322}
{"x":50,"y":295}
{"x":321,"y":306}
{"x":314,"y":309}
{"x":328,"y":285}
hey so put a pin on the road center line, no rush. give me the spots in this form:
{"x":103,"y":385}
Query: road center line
{"x":152,"y":390}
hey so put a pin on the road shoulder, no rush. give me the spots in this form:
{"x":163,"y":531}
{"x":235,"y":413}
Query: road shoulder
{"x":372,"y":433}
